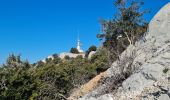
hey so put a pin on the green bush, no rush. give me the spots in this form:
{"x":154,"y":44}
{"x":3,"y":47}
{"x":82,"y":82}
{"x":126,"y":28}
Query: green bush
{"x":100,"y":60}
{"x":74,"y":50}
{"x":54,"y":81}
{"x":91,"y":48}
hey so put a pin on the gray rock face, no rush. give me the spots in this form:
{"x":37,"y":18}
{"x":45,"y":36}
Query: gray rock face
{"x":164,"y":97}
{"x":150,"y":62}
{"x":160,"y":25}
{"x":103,"y":97}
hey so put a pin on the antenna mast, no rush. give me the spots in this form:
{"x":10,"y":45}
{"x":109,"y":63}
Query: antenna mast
{"x":79,"y":44}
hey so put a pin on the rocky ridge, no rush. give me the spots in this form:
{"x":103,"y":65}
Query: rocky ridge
{"x":148,"y":59}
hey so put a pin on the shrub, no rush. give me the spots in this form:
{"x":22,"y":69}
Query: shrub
{"x":74,"y":50}
{"x":100,"y":60}
{"x":91,"y":48}
{"x":165,"y":70}
{"x":66,"y":57}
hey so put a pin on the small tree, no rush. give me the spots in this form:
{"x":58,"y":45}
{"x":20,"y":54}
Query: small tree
{"x":13,"y":61}
{"x":66,"y":57}
{"x":99,"y":59}
{"x":56,"y":59}
{"x":91,"y":48}
{"x":74,"y":50}
{"x":124,"y":29}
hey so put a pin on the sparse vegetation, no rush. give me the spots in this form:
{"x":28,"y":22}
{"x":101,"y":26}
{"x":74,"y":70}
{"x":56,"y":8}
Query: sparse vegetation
{"x":55,"y":78}
{"x":124,"y":29}
{"x":165,"y":70}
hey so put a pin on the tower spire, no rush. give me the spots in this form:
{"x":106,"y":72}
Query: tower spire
{"x":79,"y":44}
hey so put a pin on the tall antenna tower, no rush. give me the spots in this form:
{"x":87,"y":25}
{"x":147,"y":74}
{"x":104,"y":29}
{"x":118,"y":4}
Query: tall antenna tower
{"x":79,"y":43}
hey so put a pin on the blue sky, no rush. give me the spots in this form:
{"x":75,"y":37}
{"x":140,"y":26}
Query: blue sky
{"x":38,"y":28}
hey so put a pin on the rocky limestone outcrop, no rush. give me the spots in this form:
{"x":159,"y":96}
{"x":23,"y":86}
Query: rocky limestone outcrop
{"x":148,"y":59}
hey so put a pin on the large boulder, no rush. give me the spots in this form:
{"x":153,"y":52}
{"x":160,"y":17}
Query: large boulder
{"x":148,"y":59}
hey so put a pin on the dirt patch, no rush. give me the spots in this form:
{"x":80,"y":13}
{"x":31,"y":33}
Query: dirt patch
{"x":88,"y":87}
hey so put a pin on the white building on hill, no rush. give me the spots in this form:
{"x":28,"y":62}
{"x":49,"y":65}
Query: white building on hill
{"x":72,"y":55}
{"x":79,"y":46}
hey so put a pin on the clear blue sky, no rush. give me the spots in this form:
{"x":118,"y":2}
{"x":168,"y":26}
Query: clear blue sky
{"x":38,"y":28}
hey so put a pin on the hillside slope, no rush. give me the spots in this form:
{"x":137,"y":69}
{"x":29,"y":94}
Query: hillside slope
{"x":149,"y":62}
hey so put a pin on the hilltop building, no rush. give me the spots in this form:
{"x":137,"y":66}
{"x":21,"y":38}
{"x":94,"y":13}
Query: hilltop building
{"x":79,"y":46}
{"x":72,"y":55}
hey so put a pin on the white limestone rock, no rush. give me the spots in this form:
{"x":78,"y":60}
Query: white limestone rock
{"x":151,"y":59}
{"x":103,"y":97}
{"x":91,"y":54}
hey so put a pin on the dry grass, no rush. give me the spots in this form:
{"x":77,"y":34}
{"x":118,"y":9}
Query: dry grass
{"x":88,"y":87}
